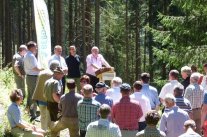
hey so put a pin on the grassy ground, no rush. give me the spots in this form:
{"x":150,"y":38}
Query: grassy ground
{"x":7,"y":84}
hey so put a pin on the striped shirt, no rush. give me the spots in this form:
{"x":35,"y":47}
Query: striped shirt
{"x":87,"y":112}
{"x":183,"y":104}
{"x":194,"y":93}
{"x":103,"y":128}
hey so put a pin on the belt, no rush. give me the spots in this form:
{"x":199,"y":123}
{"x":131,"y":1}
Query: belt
{"x":32,"y":75}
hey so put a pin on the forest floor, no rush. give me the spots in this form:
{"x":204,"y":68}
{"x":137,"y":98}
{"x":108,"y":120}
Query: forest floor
{"x":6,"y":85}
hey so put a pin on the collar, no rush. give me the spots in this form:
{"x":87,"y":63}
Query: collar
{"x":87,"y":99}
{"x":173,"y":81}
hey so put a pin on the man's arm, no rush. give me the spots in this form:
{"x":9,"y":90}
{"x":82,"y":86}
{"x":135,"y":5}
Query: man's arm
{"x":56,"y":97}
{"x":203,"y":114}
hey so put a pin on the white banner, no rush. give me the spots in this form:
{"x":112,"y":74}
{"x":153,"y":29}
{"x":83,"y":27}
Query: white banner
{"x":43,"y":32}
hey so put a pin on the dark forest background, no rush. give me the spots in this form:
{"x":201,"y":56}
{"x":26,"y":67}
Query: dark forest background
{"x":134,"y":36}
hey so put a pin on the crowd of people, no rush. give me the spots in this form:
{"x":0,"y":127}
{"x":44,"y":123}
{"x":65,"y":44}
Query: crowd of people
{"x":91,"y":108}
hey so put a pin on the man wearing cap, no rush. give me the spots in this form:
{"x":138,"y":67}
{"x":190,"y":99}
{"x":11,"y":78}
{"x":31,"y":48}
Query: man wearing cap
{"x":143,"y":101}
{"x":150,"y":92}
{"x":114,"y":92}
{"x":103,"y":127}
{"x":18,"y":68}
{"x":127,"y":112}
{"x":173,"y":118}
{"x":32,"y":70}
{"x":52,"y":92}
{"x":190,"y":127}
{"x":68,"y":108}
{"x":102,"y":97}
{"x":38,"y":94}
{"x":87,"y":109}
{"x":152,"y":119}
{"x":195,"y":94}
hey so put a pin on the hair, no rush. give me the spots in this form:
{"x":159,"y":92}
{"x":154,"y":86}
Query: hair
{"x":169,"y":98}
{"x":87,"y":89}
{"x":16,"y":95}
{"x":104,"y":111}
{"x":152,"y":117}
{"x":145,"y":77}
{"x":72,"y":46}
{"x":137,"y":85}
{"x":205,"y":65}
{"x":178,"y":91}
{"x":22,"y":48}
{"x":194,"y":78}
{"x":174,"y":73}
{"x":31,"y":44}
{"x":190,"y":123}
{"x":57,"y":47}
{"x":193,"y":68}
{"x":94,"y":47}
{"x":117,"y":81}
{"x":71,"y":84}
{"x":187,"y":70}
{"x":86,"y":78}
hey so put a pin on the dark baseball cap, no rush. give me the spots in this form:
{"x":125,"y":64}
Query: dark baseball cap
{"x":125,"y":86}
{"x":100,"y":85}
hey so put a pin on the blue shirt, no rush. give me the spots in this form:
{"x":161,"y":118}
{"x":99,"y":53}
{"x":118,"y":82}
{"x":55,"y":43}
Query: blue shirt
{"x":103,"y":99}
{"x":172,"y":121}
{"x":14,"y":115}
{"x":183,"y":104}
{"x":205,"y":98}
{"x":151,"y":93}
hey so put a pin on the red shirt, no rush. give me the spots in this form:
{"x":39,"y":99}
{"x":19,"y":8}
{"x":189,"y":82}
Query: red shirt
{"x":126,"y":113}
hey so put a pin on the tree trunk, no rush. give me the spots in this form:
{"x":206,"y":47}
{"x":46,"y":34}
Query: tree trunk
{"x":28,"y":21}
{"x":83,"y":32}
{"x":88,"y":25}
{"x":1,"y":31}
{"x":19,"y":22}
{"x":150,"y":43}
{"x":97,"y":22}
{"x":137,"y":39}
{"x":24,"y":22}
{"x":59,"y":22}
{"x":8,"y":44}
{"x":127,"y":42}
{"x":70,"y":36}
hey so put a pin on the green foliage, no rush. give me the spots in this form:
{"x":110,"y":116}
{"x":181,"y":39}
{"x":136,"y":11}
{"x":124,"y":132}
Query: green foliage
{"x":6,"y":76}
{"x":182,"y":38}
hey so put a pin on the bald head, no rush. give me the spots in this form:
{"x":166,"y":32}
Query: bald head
{"x":95,"y":51}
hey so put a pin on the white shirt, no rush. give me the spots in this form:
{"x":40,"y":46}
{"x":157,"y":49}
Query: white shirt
{"x":144,"y":103}
{"x":204,"y":83}
{"x":103,"y":128}
{"x":30,"y":62}
{"x":99,"y":61}
{"x":168,"y":88}
{"x":63,"y":64}
{"x":114,"y":93}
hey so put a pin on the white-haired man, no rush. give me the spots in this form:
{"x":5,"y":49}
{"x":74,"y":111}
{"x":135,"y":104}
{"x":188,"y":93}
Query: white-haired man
{"x":173,"y":118}
{"x":195,"y":94}
{"x":94,"y":62}
{"x":114,"y":92}
{"x":185,"y":73}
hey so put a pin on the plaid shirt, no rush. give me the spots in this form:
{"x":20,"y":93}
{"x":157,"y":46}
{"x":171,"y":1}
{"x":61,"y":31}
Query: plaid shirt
{"x":150,"y":132}
{"x":194,"y":93}
{"x":87,"y":112}
{"x":126,"y":113}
